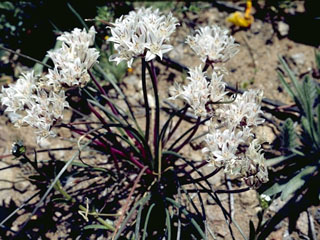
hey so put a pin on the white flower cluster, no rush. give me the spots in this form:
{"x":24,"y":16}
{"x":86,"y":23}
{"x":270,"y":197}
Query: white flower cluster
{"x":245,"y":110}
{"x":39,"y":102}
{"x":230,"y":141}
{"x":213,"y":44}
{"x":73,"y":59}
{"x":235,"y":148}
{"x":142,"y":33}
{"x":199,"y":92}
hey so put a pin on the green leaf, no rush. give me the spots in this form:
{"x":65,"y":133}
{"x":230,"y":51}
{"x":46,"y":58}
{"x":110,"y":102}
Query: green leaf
{"x":310,"y":95}
{"x":95,"y":226}
{"x":185,"y":212}
{"x":7,"y":5}
{"x":288,"y":135}
{"x":147,"y":221}
{"x":274,"y":161}
{"x":286,"y":85}
{"x":295,"y":82}
{"x":142,"y":201}
{"x":307,"y":129}
{"x":298,"y":181}
{"x":78,"y":16}
{"x":53,"y":183}
{"x":168,"y":223}
{"x":317,"y":58}
{"x":275,"y":188}
{"x":318,"y":120}
{"x":137,"y":228}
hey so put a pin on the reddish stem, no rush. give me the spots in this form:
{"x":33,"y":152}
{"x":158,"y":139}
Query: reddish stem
{"x":177,"y":149}
{"x":114,"y":111}
{"x":115,"y":151}
{"x":175,"y":127}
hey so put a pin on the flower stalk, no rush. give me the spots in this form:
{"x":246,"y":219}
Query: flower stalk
{"x":95,"y":214}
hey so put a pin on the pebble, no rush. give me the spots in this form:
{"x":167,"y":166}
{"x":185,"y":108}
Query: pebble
{"x":283,"y":29}
{"x":276,"y":205}
{"x":298,"y":58}
{"x":302,"y":223}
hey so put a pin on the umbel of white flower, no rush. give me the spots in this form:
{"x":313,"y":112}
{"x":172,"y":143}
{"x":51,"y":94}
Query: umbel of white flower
{"x":244,"y":111}
{"x":213,"y":44}
{"x":199,"y":91}
{"x":73,"y":59}
{"x":39,"y":102}
{"x":230,"y":143}
{"x":33,"y":106}
{"x":141,"y":33}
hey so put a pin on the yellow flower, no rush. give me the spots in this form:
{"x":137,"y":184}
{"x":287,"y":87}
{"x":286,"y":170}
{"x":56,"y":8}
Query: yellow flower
{"x":106,"y":37}
{"x":242,"y":19}
{"x":130,"y":70}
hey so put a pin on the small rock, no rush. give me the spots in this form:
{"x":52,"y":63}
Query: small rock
{"x":302,"y":223}
{"x":276,"y":205}
{"x":256,"y":27}
{"x":286,"y":236}
{"x":249,"y":198}
{"x":298,"y":58}
{"x":45,"y":143}
{"x":266,"y":134}
{"x":58,"y":214}
{"x":283,"y":29}
{"x":317,"y":216}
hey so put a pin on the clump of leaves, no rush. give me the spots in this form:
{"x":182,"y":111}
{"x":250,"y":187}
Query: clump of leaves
{"x":295,"y":181}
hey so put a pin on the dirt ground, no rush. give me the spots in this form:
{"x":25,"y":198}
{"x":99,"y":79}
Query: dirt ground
{"x":255,"y":66}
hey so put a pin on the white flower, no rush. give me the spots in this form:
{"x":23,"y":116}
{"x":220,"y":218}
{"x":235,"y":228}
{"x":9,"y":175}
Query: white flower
{"x":244,"y":111}
{"x":34,"y":106}
{"x":222,"y":146}
{"x":155,"y":47}
{"x":17,"y":95}
{"x":40,"y":102}
{"x":196,"y":93}
{"x":141,"y":33}
{"x":217,"y":87}
{"x":213,"y":44}
{"x":228,"y":149}
{"x":73,"y":59}
{"x":255,"y":170}
{"x":199,"y":91}
{"x":78,"y":37}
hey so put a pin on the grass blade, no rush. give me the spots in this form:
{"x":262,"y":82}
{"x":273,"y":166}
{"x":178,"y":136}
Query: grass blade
{"x":187,"y":214}
{"x":78,"y":16}
{"x":147,"y":221}
{"x":141,"y":202}
{"x":168,"y":224}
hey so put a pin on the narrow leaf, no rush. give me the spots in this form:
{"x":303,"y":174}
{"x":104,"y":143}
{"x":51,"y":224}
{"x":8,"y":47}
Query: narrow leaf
{"x":286,"y":85}
{"x":95,"y":226}
{"x":298,"y":181}
{"x":168,"y":223}
{"x":147,"y":221}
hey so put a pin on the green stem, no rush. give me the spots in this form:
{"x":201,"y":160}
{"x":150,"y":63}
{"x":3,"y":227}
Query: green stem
{"x":25,"y":56}
{"x":59,"y":188}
